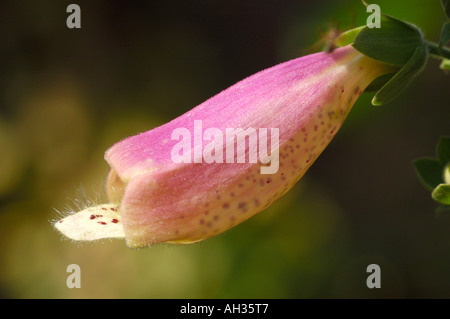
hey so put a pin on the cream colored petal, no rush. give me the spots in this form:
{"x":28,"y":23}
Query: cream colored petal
{"x":92,"y":223}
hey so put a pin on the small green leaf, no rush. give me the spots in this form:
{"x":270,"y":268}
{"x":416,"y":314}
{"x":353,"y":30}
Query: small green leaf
{"x":446,"y":174}
{"x":445,"y":36}
{"x":347,"y":37}
{"x":394,"y":43}
{"x":379,"y":82}
{"x":443,"y":150}
{"x":441,"y":194}
{"x":429,"y":171}
{"x":402,"y":78}
{"x":446,"y":6}
{"x":445,"y":65}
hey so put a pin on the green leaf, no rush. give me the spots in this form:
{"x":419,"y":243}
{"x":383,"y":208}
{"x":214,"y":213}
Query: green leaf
{"x":446,"y":6}
{"x":379,"y":82}
{"x":347,"y":37}
{"x":441,"y":194}
{"x":443,"y":150}
{"x":445,"y":36}
{"x":445,"y":65}
{"x":394,"y":43}
{"x":446,"y":174}
{"x":402,"y":78}
{"x":429,"y":171}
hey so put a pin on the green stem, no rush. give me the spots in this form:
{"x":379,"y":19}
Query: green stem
{"x":433,"y":49}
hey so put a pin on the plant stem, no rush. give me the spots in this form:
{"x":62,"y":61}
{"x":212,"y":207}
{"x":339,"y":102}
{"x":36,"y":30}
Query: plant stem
{"x":433,"y":49}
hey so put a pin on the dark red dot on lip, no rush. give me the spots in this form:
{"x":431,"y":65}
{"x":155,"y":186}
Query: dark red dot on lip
{"x":102,"y":223}
{"x":115,"y":221}
{"x":103,"y":208}
{"x":92,"y":217}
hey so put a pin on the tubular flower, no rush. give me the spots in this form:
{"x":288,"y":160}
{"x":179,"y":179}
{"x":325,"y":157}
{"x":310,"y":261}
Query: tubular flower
{"x":165,"y":187}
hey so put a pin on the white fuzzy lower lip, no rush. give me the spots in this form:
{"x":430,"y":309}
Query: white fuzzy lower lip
{"x":92,"y":223}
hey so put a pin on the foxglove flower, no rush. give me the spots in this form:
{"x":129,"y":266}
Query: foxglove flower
{"x":179,"y":184}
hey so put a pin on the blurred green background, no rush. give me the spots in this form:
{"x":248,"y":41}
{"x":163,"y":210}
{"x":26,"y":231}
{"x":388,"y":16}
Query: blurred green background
{"x":67,"y":95}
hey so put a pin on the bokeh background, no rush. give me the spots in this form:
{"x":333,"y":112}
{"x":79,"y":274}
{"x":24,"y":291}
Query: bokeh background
{"x":67,"y":95}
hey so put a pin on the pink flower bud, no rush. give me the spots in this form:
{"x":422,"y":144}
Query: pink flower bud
{"x":192,"y":178}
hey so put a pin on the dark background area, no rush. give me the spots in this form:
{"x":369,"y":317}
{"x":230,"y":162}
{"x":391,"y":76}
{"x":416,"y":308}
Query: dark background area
{"x":66,"y":95}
